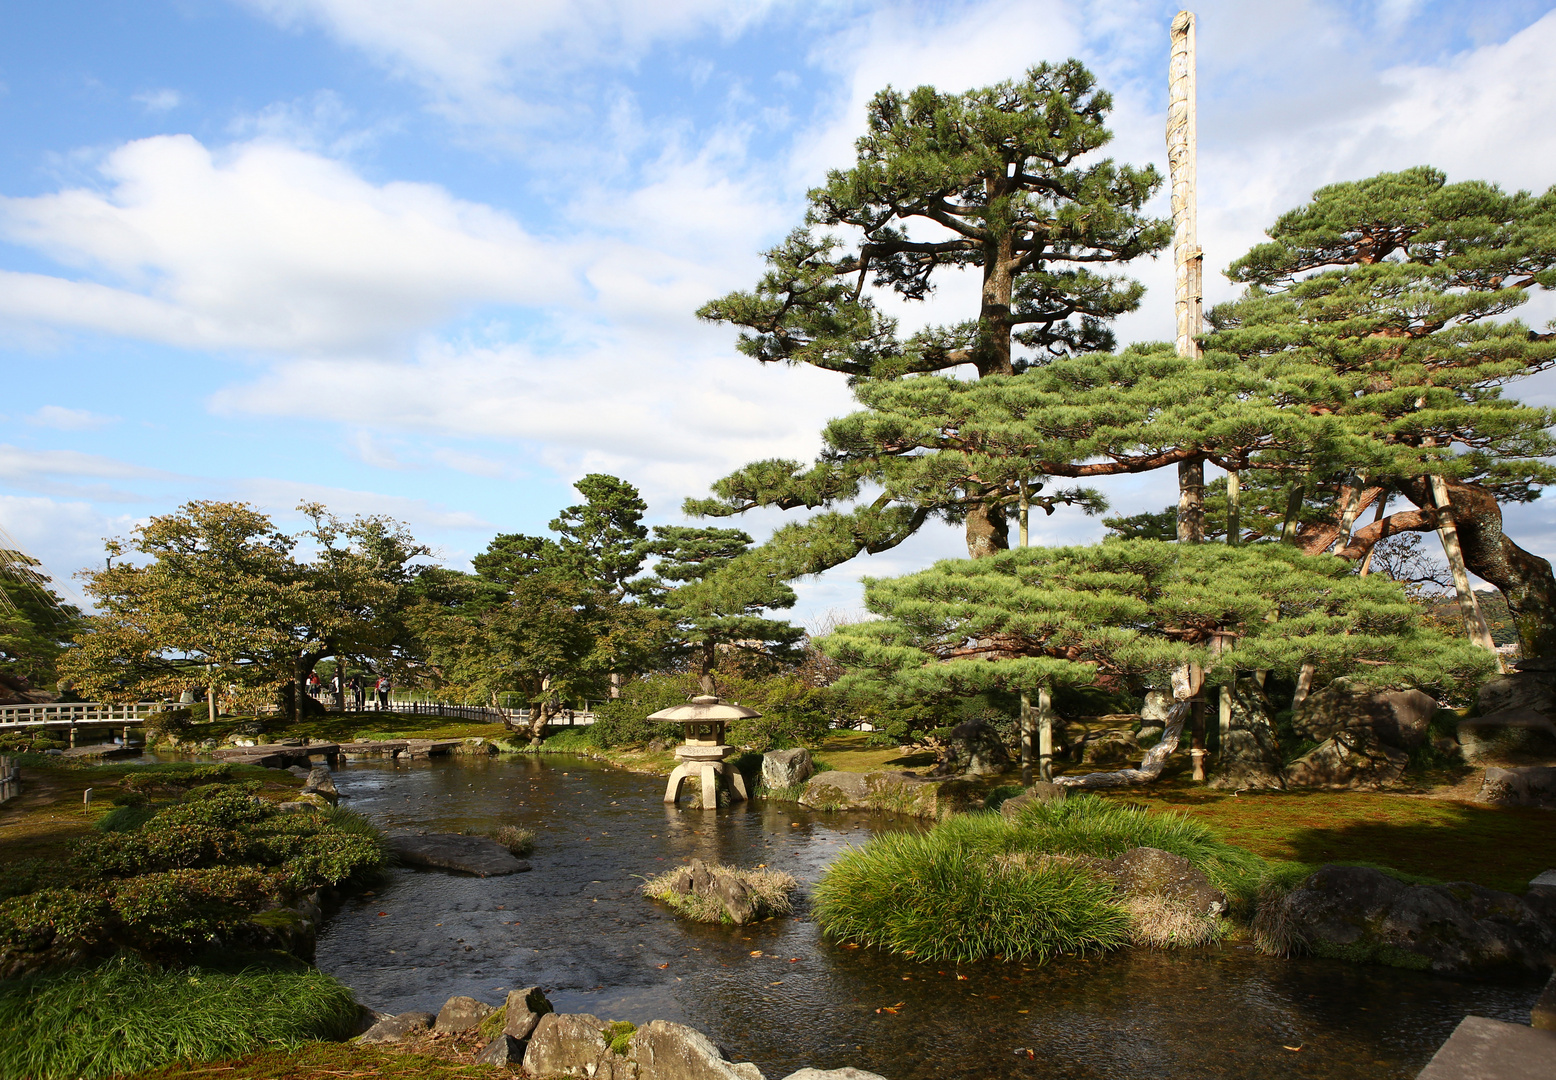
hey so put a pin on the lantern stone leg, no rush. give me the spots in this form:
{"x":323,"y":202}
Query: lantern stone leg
{"x":673,"y":791}
{"x":710,"y":786}
{"x":738,"y":784}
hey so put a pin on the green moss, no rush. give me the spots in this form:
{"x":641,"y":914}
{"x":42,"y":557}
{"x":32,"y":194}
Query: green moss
{"x":492,"y":1026}
{"x":618,"y":1033}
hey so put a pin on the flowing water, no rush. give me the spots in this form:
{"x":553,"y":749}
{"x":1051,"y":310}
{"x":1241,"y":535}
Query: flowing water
{"x":781,"y":995}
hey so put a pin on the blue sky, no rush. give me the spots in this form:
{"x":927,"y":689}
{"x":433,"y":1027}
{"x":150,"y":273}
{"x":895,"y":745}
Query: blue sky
{"x":439,"y":259}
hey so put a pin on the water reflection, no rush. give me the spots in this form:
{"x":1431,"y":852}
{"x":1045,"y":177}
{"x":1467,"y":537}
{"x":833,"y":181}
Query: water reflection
{"x":778,"y":994}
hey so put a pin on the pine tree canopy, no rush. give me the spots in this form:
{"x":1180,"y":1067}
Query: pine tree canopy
{"x":1133,"y":611}
{"x":992,"y":179}
{"x":1386,"y":304}
{"x":707,"y":582}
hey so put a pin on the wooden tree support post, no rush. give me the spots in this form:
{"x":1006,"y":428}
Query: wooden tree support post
{"x":1469,"y":607}
{"x":1045,"y":735}
{"x":1234,"y":509}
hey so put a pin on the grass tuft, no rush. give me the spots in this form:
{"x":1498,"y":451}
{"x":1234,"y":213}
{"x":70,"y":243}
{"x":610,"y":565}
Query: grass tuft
{"x":125,"y":1017}
{"x":519,"y":841}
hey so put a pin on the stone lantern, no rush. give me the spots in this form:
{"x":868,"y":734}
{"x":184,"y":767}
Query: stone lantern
{"x":702,"y":754}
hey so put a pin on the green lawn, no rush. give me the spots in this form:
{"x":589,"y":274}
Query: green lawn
{"x":1500,"y":847}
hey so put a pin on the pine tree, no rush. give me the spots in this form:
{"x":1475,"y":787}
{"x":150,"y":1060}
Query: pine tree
{"x":1000,"y":180}
{"x":1383,"y":306}
{"x":706,"y":581}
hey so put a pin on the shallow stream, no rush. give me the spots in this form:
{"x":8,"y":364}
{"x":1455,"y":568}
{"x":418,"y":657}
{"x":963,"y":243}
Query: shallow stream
{"x":780,"y":995}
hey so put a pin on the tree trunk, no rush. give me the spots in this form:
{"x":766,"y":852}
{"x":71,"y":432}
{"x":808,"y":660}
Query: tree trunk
{"x":1191,"y":501}
{"x":987,"y":531}
{"x":705,"y":668}
{"x":300,"y":669}
{"x":1525,"y":580}
{"x":616,"y":680}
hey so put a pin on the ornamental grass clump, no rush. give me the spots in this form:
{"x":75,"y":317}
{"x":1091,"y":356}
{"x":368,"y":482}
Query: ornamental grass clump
{"x":1092,"y":825}
{"x":519,"y":841}
{"x":954,"y":894}
{"x":124,"y":1016}
{"x":978,"y":885}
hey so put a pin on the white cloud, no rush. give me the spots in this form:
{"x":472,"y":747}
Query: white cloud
{"x":372,"y":451}
{"x":267,"y":247}
{"x":63,"y":419}
{"x":63,"y":536}
{"x":159,"y":101}
{"x":498,"y":61}
{"x":474,"y":464}
{"x":281,"y":497}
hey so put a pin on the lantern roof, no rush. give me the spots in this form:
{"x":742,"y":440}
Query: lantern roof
{"x":704,"y":707}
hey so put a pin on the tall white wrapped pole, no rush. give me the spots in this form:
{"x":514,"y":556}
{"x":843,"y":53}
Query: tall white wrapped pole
{"x":1188,"y":295}
{"x":1182,"y":136}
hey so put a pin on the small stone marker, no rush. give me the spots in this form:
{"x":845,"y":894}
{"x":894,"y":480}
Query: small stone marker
{"x":86,"y":799}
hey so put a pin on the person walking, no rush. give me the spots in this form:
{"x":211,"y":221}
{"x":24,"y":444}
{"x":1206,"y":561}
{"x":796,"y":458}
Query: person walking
{"x":383,"y":692}
{"x":356,"y":692}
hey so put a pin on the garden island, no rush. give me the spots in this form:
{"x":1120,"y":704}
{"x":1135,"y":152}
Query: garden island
{"x":1259,"y":785}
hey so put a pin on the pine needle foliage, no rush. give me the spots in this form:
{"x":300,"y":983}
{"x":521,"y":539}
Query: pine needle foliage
{"x":1039,"y":618}
{"x":1004,"y":181}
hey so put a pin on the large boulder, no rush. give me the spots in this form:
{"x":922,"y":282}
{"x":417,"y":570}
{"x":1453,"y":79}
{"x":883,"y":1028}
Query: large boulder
{"x":899,"y":793}
{"x":786,"y":768}
{"x":522,"y":1013}
{"x":1148,"y":871}
{"x":1397,"y":718}
{"x":1040,"y":792}
{"x":462,"y":1014}
{"x":394,"y":1028}
{"x":974,"y":748}
{"x":1364,"y":915}
{"x":666,"y":1051}
{"x":1531,"y":686}
{"x":322,"y":784}
{"x":567,"y":1044}
{"x":1348,"y":762}
{"x":1250,"y":757}
{"x":503,"y":1050}
{"x":1110,"y":746}
{"x":1365,"y":735}
{"x":1531,"y":785}
{"x":1518,"y":732}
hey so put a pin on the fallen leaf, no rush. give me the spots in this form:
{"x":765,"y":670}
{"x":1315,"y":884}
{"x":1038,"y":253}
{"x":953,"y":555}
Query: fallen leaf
{"x":756,"y":952}
{"x":663,"y":966}
{"x":1023,"y":1010}
{"x":1293,"y":1048}
{"x":794,"y":959}
{"x":962,"y":977}
{"x":383,"y":914}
